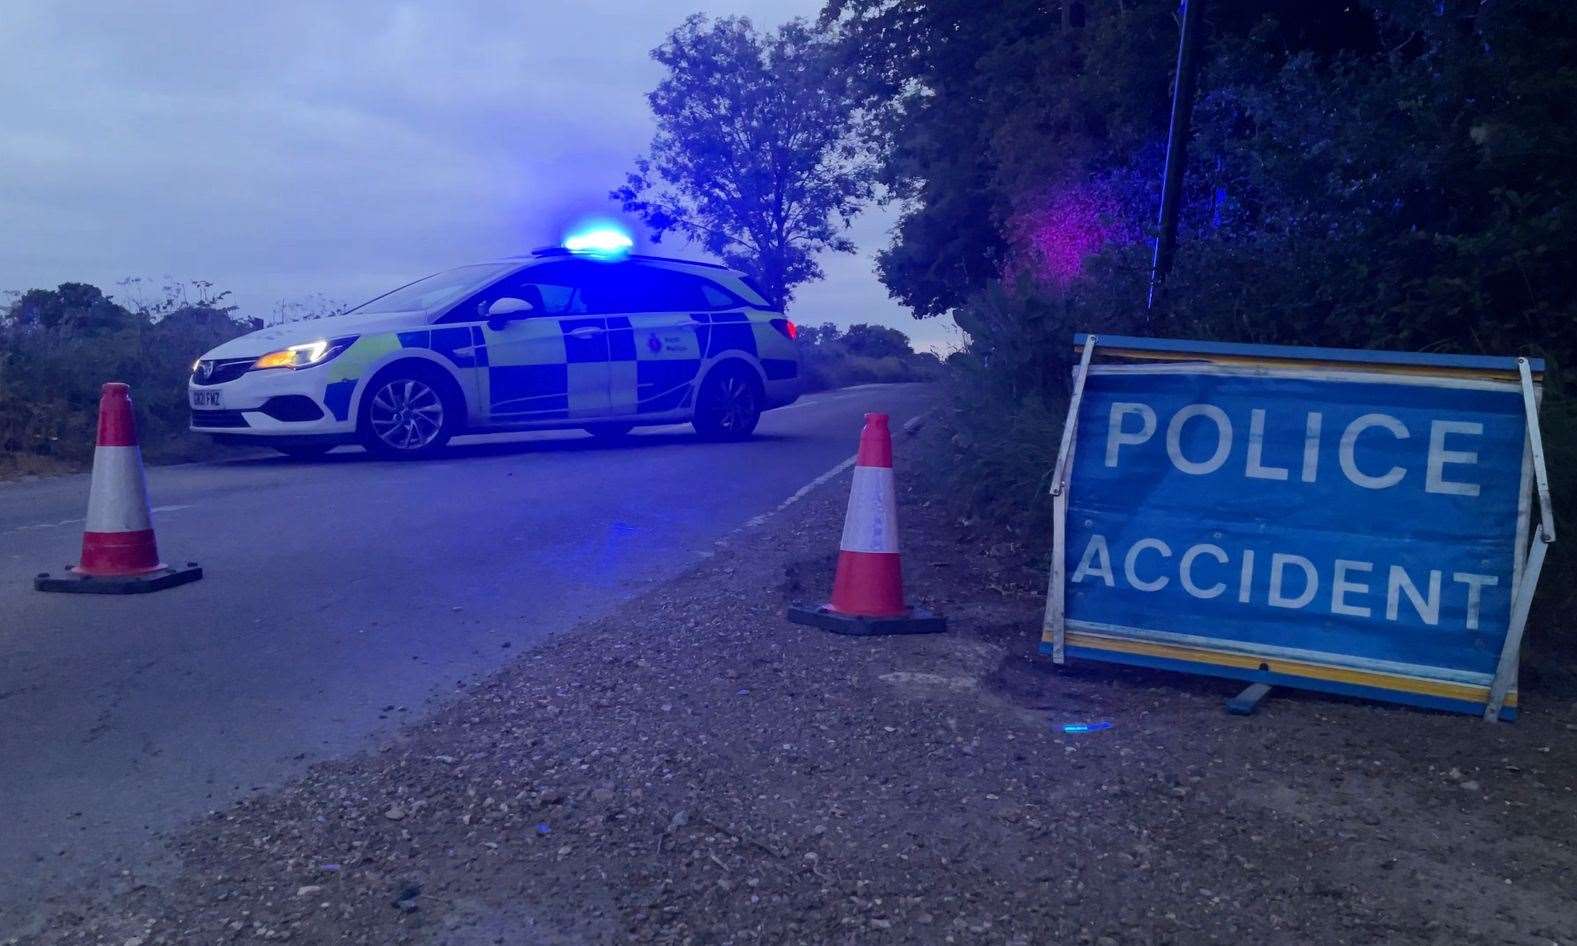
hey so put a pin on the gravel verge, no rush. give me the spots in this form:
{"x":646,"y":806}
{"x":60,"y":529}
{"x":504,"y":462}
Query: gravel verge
{"x":693,"y":769}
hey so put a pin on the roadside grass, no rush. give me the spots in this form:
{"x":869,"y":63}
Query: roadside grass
{"x":59,"y":347}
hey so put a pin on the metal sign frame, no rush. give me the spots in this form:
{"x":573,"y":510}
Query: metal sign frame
{"x":1531,"y":554}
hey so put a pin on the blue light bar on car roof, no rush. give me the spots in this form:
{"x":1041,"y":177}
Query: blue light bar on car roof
{"x":599,"y":241}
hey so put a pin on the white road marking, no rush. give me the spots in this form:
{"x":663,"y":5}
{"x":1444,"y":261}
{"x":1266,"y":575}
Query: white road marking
{"x":48,"y":525}
{"x":79,"y":520}
{"x":799,"y":494}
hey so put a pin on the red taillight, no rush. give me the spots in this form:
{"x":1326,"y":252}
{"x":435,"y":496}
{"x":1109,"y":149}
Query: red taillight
{"x":789,"y":329}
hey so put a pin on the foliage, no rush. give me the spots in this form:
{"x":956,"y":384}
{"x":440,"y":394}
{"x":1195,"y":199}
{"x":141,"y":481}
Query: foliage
{"x":974,"y":113}
{"x":877,"y":341}
{"x":58,"y":347}
{"x":313,"y":305}
{"x":754,"y":155}
{"x":1390,"y":175}
{"x":1416,"y":197}
{"x":864,"y":354}
{"x":1393,"y":174}
{"x":1387,"y":174}
{"x":1009,"y":387}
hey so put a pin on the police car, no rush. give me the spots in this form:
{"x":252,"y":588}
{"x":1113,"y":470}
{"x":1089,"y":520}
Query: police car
{"x":557,"y":339}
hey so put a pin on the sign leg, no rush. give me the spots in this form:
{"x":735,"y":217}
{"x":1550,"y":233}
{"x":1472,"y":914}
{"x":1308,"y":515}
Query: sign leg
{"x":1511,"y":651}
{"x":1054,"y":628}
{"x":1056,"y":602}
{"x":1245,"y":703}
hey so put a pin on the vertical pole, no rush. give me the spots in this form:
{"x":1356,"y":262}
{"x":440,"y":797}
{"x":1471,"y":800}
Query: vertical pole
{"x":1510,"y":652}
{"x":1176,"y":148}
{"x":1054,"y":627}
{"x":1541,"y":476}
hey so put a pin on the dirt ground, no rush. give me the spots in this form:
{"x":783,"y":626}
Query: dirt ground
{"x":693,"y":769}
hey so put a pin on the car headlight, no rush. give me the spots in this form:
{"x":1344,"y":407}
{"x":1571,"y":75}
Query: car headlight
{"x":304,"y":355}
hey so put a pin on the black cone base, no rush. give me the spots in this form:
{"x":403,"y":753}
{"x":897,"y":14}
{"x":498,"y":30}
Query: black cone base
{"x":916,"y":621}
{"x":70,"y":582}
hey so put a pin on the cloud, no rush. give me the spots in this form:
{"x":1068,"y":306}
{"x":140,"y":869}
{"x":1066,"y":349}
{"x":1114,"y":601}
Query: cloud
{"x":284,"y":149}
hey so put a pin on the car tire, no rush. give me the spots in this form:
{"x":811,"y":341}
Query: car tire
{"x":609,"y":432}
{"x":729,"y":404}
{"x":409,"y":412}
{"x":306,"y":451}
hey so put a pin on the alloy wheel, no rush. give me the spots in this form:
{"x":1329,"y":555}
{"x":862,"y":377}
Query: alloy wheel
{"x":406,"y":414}
{"x":735,"y":405}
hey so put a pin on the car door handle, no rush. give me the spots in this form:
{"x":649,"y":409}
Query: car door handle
{"x":586,"y":331}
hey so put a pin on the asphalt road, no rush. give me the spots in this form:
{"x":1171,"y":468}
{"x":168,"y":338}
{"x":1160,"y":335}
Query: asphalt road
{"x":341,"y":597}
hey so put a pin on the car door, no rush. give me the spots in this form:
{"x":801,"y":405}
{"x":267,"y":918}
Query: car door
{"x":551,"y":363}
{"x":657,"y":343}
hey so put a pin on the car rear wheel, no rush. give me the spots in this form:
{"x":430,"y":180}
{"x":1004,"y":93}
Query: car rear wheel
{"x":729,"y":405}
{"x":408,"y":413}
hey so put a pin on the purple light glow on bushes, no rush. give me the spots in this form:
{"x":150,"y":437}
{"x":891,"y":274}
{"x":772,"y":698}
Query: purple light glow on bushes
{"x":1060,"y":231}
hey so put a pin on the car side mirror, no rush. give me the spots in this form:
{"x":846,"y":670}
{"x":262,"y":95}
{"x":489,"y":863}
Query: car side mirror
{"x":508,"y":306}
{"x":503,"y":310}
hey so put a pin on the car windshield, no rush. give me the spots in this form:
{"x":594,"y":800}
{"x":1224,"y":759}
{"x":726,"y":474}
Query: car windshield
{"x":433,"y":291}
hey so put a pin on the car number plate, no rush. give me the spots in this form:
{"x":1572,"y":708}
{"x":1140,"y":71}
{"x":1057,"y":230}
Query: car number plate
{"x":206,"y":399}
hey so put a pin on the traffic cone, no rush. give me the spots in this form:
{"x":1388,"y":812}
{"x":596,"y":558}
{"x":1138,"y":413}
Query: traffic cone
{"x":119,"y":553}
{"x":867,"y":592}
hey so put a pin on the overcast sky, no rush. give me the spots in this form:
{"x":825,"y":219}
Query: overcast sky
{"x":286,"y":149}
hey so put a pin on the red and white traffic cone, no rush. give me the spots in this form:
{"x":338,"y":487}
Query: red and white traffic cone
{"x":119,"y":552}
{"x":867,"y":592}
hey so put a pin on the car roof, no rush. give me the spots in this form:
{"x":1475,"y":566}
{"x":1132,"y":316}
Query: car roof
{"x":663,"y":262}
{"x":729,"y":278}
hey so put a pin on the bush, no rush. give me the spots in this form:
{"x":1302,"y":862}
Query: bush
{"x":865,"y":354}
{"x":58,"y":347}
{"x":1008,"y":390}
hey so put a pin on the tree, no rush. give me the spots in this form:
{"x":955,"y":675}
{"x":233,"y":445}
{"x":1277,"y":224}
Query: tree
{"x":877,"y":341}
{"x":823,"y":334}
{"x":975,"y":115}
{"x":754,"y":156}
{"x":74,"y":308}
{"x":1411,"y":190}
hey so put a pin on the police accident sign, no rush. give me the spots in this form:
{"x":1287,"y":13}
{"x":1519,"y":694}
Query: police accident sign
{"x":1354,"y":522}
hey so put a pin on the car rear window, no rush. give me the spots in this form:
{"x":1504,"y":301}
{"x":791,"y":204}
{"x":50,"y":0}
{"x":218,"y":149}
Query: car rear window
{"x":717,"y":297}
{"x":745,"y":287}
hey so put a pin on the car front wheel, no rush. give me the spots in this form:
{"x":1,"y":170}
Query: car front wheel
{"x":407,"y":413}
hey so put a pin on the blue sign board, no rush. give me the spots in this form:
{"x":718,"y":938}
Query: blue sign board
{"x":1350,"y":527}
